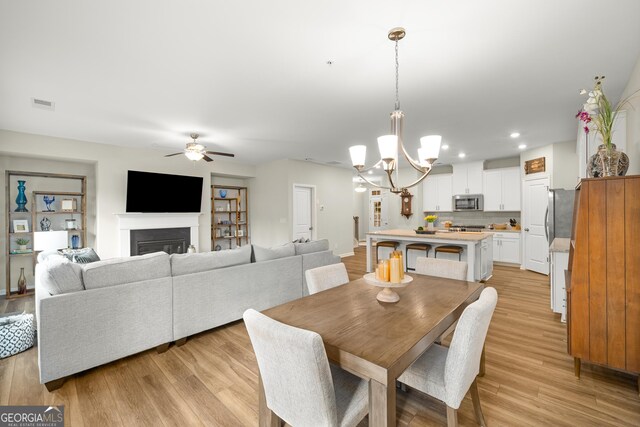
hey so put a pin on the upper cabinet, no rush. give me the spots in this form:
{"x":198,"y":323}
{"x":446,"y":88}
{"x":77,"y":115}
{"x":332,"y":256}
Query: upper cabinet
{"x":501,"y":189}
{"x":467,"y":178}
{"x":436,"y":193}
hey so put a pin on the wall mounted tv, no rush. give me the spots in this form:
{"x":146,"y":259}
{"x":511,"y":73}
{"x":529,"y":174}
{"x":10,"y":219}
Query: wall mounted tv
{"x":160,"y":192}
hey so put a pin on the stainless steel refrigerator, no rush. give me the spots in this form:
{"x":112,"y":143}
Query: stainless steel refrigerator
{"x":559,"y":216}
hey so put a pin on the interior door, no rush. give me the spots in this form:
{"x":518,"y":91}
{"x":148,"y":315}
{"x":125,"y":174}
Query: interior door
{"x":379,"y":211}
{"x":302,"y":212}
{"x":535,"y":240}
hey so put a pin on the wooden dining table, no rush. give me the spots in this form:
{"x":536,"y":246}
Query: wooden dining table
{"x":374,"y":340}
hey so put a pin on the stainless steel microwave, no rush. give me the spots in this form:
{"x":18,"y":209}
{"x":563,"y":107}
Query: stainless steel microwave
{"x":468,"y":202}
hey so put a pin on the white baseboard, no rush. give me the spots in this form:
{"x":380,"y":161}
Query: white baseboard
{"x":347,"y":254}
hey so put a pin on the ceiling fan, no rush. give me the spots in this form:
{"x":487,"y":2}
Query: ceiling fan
{"x":195,"y":151}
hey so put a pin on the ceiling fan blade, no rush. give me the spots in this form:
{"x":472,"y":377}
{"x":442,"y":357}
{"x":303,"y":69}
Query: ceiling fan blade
{"x":174,"y":154}
{"x":207,"y":158}
{"x":217,"y":153}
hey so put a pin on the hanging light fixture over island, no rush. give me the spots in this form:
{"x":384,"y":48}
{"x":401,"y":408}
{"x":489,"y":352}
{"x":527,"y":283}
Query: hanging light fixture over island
{"x":389,"y":145}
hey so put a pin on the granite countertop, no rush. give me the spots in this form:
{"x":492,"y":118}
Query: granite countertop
{"x":560,"y":244}
{"x":471,"y":236}
{"x":503,"y":231}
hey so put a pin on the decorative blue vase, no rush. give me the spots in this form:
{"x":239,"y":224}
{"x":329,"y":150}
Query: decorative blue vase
{"x":75,"y":241}
{"x":223,"y":193}
{"x":21,"y":200}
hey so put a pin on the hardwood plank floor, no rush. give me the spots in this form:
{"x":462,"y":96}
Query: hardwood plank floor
{"x":213,"y":378}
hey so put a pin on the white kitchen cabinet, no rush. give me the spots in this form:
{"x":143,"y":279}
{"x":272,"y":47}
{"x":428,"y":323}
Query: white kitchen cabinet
{"x":467,"y":178}
{"x":506,"y":247}
{"x":559,"y":263}
{"x":436,"y":193}
{"x":501,"y":189}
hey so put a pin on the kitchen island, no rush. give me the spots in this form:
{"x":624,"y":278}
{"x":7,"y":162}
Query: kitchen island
{"x":477,"y":247}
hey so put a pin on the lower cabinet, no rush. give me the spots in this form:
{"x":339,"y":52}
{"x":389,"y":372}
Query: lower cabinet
{"x":506,"y":247}
{"x":559,"y":263}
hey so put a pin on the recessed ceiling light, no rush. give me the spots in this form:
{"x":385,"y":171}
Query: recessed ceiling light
{"x":515,"y":134}
{"x":445,"y":147}
{"x":461,"y":155}
{"x":522,"y":146}
{"x":370,"y":172}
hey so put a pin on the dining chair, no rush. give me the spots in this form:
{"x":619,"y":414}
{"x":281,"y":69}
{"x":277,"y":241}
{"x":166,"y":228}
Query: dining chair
{"x":300,"y":386}
{"x":326,"y":277}
{"x":446,"y":268}
{"x":448,"y":373}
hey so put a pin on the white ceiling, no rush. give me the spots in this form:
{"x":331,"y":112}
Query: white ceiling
{"x":252,"y":76}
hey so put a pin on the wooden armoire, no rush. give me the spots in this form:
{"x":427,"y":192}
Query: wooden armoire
{"x":603,"y":279}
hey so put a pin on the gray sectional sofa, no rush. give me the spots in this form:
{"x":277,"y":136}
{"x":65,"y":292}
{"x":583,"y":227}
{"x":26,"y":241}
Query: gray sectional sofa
{"x":92,"y":314}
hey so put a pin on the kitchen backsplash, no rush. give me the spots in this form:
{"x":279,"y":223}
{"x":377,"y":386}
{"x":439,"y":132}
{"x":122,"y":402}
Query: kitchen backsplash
{"x":475,"y":218}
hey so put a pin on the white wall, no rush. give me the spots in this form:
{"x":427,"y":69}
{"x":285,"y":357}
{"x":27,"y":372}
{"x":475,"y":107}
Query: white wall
{"x":112,"y":163}
{"x":269,"y":202}
{"x":547,"y":153}
{"x":633,"y":120}
{"x":565,"y":165}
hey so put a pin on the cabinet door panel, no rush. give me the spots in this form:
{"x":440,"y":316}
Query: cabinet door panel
{"x":429,"y":194}
{"x":474,"y":177}
{"x":492,"y":190}
{"x":511,"y":185}
{"x":615,"y":280}
{"x":445,"y":184}
{"x":597,"y":272}
{"x":496,"y":249}
{"x":632,"y":261}
{"x":510,"y":250}
{"x":459,"y":179}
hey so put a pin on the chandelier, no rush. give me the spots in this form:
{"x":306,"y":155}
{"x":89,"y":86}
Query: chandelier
{"x":389,"y":144}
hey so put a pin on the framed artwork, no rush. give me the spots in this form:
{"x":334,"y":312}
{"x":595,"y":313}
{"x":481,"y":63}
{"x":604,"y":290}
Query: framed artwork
{"x":68,"y":205}
{"x":20,"y":226}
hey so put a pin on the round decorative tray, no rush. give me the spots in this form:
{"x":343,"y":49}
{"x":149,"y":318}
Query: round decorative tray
{"x":386,"y":294}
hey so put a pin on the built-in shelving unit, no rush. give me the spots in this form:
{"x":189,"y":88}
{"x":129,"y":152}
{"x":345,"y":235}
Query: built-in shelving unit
{"x":37,"y":186}
{"x":229,"y":217}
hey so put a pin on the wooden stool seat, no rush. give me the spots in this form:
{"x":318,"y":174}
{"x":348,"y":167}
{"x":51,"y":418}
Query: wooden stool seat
{"x":386,"y":244}
{"x":450,"y":249}
{"x":415,"y":247}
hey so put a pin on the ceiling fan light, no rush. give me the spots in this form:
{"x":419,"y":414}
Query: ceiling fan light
{"x":388,"y":146}
{"x":430,"y":146}
{"x":358,"y":155}
{"x":193,"y":155}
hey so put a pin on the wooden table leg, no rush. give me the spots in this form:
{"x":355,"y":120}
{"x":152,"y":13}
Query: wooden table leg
{"x":576,"y":366}
{"x":382,"y":404}
{"x":267,"y":418}
{"x":481,"y":374}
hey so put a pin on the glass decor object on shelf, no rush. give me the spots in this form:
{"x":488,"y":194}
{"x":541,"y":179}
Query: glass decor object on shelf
{"x":75,"y":242}
{"x":22,"y":283}
{"x":223,"y":193}
{"x":390,"y":145}
{"x":45,"y":224}
{"x":70,"y":224}
{"x":598,"y":114}
{"x":21,"y":199}
{"x":48,"y":201}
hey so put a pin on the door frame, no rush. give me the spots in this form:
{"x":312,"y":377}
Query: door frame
{"x":523,"y":239}
{"x":314,"y":215}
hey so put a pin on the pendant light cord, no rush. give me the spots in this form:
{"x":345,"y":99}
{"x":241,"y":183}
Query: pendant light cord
{"x":397,"y":78}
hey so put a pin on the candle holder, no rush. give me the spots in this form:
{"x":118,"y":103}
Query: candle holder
{"x":387,"y":294}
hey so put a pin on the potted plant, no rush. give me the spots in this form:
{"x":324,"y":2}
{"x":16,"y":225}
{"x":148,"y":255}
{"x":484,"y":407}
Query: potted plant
{"x":22,"y":244}
{"x":431,"y":219}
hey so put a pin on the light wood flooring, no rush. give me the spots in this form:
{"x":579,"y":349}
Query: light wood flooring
{"x":212,"y":379}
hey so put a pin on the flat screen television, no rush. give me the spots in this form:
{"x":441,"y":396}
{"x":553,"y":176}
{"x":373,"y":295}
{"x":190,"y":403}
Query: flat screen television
{"x":160,"y":192}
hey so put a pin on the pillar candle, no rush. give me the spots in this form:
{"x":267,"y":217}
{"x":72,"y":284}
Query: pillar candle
{"x":395,"y":270}
{"x":386,"y":270}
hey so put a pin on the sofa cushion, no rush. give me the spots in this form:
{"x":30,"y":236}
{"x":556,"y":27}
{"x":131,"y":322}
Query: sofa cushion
{"x":118,"y":271}
{"x":57,"y":275}
{"x":313,"y":246}
{"x":266,"y":254}
{"x":194,"y":263}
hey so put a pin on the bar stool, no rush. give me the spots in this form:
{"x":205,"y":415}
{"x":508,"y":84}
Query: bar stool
{"x":415,"y":247}
{"x":449,"y":249}
{"x":386,"y":244}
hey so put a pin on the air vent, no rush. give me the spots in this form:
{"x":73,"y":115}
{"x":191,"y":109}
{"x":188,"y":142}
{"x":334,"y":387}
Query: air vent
{"x":43,"y":104}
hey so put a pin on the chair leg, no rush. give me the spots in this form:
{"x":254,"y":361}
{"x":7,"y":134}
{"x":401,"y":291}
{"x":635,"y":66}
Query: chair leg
{"x":475,"y":397}
{"x":452,"y":417}
{"x":576,"y":366}
{"x":482,"y":363}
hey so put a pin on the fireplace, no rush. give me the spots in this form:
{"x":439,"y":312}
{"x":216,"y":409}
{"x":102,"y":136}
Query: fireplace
{"x":142,"y":233}
{"x":169,"y":240}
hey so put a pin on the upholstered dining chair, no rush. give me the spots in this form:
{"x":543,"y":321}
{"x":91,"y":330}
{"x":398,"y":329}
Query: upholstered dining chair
{"x":326,"y":277}
{"x":446,"y":268}
{"x":448,"y":373}
{"x":300,"y":386}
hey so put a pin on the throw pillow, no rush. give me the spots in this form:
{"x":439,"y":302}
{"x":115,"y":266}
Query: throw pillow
{"x":58,"y":275}
{"x":311,"y":247}
{"x":80,"y":256}
{"x":266,"y":254}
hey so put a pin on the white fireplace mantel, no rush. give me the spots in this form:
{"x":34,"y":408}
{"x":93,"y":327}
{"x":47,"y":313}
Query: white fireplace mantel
{"x":146,"y":221}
